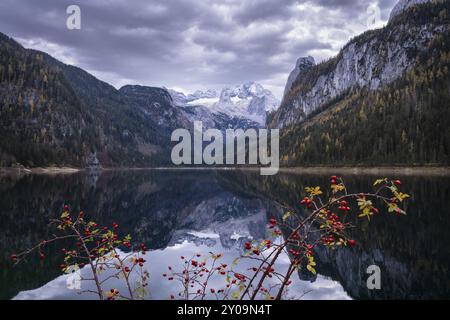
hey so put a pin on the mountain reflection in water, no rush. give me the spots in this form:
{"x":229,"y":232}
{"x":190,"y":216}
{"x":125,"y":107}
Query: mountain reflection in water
{"x":181,"y":213}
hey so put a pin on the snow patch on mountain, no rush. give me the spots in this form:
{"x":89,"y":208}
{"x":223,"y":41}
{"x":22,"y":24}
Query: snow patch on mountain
{"x":249,"y":101}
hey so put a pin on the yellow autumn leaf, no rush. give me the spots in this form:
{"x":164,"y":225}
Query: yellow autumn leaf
{"x":235,"y":295}
{"x":337,"y":187}
{"x":392,"y":207}
{"x":363,"y":203}
{"x":311,"y":269}
{"x":287,"y":215}
{"x":366,"y":213}
{"x":377,"y":182}
{"x":401,"y":196}
{"x":313,"y":191}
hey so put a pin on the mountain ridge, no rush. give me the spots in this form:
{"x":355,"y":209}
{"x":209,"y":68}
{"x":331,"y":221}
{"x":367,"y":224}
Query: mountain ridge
{"x":372,"y":59}
{"x":57,"y":114}
{"x":249,"y":101}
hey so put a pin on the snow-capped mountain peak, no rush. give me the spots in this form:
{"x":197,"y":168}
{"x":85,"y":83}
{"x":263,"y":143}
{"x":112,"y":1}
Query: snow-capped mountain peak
{"x":199,"y":94}
{"x":249,"y":101}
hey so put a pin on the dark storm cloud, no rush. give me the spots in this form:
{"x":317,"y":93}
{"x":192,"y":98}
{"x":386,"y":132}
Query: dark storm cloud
{"x":189,"y":44}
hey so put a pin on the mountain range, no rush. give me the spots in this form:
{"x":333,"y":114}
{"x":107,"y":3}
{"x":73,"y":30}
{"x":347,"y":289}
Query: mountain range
{"x":247,"y":101}
{"x":57,"y":114}
{"x":382,"y":100}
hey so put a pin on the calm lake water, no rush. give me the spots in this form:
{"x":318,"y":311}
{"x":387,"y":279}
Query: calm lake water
{"x":187,"y":212}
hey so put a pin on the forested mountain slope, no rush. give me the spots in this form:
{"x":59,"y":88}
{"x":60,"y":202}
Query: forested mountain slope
{"x":401,"y":121}
{"x":52,"y":113}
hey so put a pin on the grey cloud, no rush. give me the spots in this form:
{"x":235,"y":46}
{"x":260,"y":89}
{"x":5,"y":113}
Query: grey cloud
{"x":257,"y":10}
{"x":188,"y":44}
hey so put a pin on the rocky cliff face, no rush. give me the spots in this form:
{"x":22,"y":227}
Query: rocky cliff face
{"x":372,"y":60}
{"x":303,"y":64}
{"x":403,"y":5}
{"x":157,"y":105}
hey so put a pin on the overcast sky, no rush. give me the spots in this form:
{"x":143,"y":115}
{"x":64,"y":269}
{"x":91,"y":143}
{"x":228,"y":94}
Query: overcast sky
{"x":191,"y":44}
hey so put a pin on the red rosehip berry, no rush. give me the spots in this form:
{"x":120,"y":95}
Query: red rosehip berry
{"x":351,"y":243}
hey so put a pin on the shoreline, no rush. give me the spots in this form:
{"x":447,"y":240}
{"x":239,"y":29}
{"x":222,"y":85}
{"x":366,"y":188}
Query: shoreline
{"x":39,"y":170}
{"x":305,"y":170}
{"x":371,"y":170}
